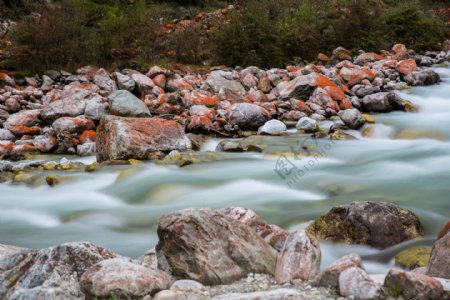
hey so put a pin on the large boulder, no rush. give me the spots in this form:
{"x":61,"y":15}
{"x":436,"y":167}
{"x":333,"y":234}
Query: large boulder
{"x":123,"y":277}
{"x":51,"y":273}
{"x":247,"y":116}
{"x":217,"y":82}
{"x":205,"y":245}
{"x":378,"y":224}
{"x":123,"y":103}
{"x":303,"y":86}
{"x":73,"y":125}
{"x":377,"y":102}
{"x":438,"y":265}
{"x":71,"y":105}
{"x":25,"y":122}
{"x":425,"y":77}
{"x":406,"y":66}
{"x":139,"y":138}
{"x":299,"y":258}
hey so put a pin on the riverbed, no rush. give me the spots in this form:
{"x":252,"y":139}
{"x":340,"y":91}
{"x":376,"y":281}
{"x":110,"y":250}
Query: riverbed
{"x":118,"y":206}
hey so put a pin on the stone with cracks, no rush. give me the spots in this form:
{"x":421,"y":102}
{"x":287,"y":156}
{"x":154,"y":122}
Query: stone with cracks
{"x":329,"y":277}
{"x":72,"y":105}
{"x":357,"y":283}
{"x":352,"y":118}
{"x":123,"y":103}
{"x":205,"y":245}
{"x":138,"y":138}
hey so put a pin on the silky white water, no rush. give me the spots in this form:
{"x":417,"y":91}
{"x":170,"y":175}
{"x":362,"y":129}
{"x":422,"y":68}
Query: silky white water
{"x":118,"y":206}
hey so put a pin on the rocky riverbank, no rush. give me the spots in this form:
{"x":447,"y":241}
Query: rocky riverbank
{"x":232,"y":253}
{"x":111,"y":114}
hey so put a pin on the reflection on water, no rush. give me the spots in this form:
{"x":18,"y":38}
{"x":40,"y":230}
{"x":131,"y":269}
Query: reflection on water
{"x":122,"y":213}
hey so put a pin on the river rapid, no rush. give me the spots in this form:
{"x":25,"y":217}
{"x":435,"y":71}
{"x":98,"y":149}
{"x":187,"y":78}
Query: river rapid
{"x":118,"y":206}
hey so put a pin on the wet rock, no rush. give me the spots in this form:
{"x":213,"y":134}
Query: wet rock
{"x":73,"y":125}
{"x":124,"y":82}
{"x":50,"y":273}
{"x":123,"y":103}
{"x":299,"y":258}
{"x":407,"y":66}
{"x":273,"y":127}
{"x":401,"y":104}
{"x":412,"y":286}
{"x":425,"y":77}
{"x":352,"y":118}
{"x":306,"y":124}
{"x":139,"y":138}
{"x":357,"y":283}
{"x":378,"y":224}
{"x":122,"y":277}
{"x":438,"y":265}
{"x":413,"y":258}
{"x":272,"y":234}
{"x":247,"y":116}
{"x":414,"y":134}
{"x":378,"y":102}
{"x":72,"y":105}
{"x":204,"y":245}
{"x":329,"y":277}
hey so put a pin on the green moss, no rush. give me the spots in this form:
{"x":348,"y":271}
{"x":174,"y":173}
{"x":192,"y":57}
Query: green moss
{"x":412,"y":258}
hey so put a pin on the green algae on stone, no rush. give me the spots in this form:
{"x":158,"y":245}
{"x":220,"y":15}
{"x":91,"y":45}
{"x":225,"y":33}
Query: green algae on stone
{"x":414,"y":257}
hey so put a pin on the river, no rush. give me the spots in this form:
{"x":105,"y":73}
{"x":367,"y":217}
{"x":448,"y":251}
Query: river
{"x":118,"y":206}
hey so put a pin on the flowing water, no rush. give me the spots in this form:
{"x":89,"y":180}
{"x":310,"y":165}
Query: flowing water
{"x":118,"y":207}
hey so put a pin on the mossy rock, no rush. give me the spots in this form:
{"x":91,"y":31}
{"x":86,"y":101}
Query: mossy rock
{"x":414,"y":257}
{"x":413,"y":134}
{"x":54,"y":179}
{"x":91,"y":167}
{"x":369,"y":119}
{"x":50,"y":166}
{"x":26,"y":178}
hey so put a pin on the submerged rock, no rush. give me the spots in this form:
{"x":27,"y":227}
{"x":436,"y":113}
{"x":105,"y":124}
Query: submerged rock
{"x":205,"y":245}
{"x":140,"y":138}
{"x":413,"y":258}
{"x":378,"y":224}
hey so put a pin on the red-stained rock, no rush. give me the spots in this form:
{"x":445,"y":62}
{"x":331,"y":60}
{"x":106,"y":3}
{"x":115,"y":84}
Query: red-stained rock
{"x":323,"y":58}
{"x":20,"y":150}
{"x":178,"y":85}
{"x":303,"y":86}
{"x":407,"y":66}
{"x":354,"y":76}
{"x":345,"y":104}
{"x":335,"y":92}
{"x":88,"y":136}
{"x":342,"y":53}
{"x":256,"y":96}
{"x":321,"y":98}
{"x":300,"y":106}
{"x":367,"y":57}
{"x":397,"y":48}
{"x":139,"y":138}
{"x":160,"y":80}
{"x":438,"y":265}
{"x":329,"y":277}
{"x":299,"y":258}
{"x":23,"y":130}
{"x":5,"y":148}
{"x":412,"y":285}
{"x":202,"y":110}
{"x":205,"y":245}
{"x":225,"y":94}
{"x":199,"y":98}
{"x":73,"y":125}
{"x":200,"y":123}
{"x":24,"y":122}
{"x":12,"y":104}
{"x":45,"y":143}
{"x":272,"y":234}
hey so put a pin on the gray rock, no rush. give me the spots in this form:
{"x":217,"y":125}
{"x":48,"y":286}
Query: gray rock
{"x":329,"y":277}
{"x":273,"y":127}
{"x":122,"y":277}
{"x":139,"y":138}
{"x":86,"y":149}
{"x":96,"y":108}
{"x":307,"y":124}
{"x":352,"y":118}
{"x":216,"y":83}
{"x":229,"y":249}
{"x":123,"y":103}
{"x":439,"y":266}
{"x":377,"y":102}
{"x":299,"y":258}
{"x":247,"y":116}
{"x":425,"y":77}
{"x":50,"y":273}
{"x":401,"y":104}
{"x":186,"y":285}
{"x":104,"y":82}
{"x":6,"y":135}
{"x":124,"y":82}
{"x":278,"y":294}
{"x":144,"y":84}
{"x":357,"y":283}
{"x":72,"y":105}
{"x":47,"y":83}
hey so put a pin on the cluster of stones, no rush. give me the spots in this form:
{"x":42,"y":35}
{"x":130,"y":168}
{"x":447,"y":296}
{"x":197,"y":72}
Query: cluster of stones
{"x":143,"y":116}
{"x":206,"y":253}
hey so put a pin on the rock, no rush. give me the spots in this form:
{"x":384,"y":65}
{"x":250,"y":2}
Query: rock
{"x":342,"y":53}
{"x":139,"y":138}
{"x":357,"y":283}
{"x":178,"y":85}
{"x":378,"y":224}
{"x":72,"y":105}
{"x":353,"y":76}
{"x":6,"y":250}
{"x":144,"y":84}
{"x":367,"y":57}
{"x":321,"y":100}
{"x":45,"y":143}
{"x":6,"y":135}
{"x":124,"y":82}
{"x":273,"y":127}
{"x":247,"y":116}
{"x":412,"y":258}
{"x":51,"y":273}
{"x":204,"y":245}
{"x":307,"y":124}
{"x":401,"y":104}
{"x":302,"y":87}
{"x":96,"y":107}
{"x":87,"y":149}
{"x":47,"y":83}
{"x":200,"y":98}
{"x":121,"y":277}
{"x":216,"y":83}
{"x":329,"y":277}
{"x":24,"y":122}
{"x":398,"y":48}
{"x":412,"y":286}
{"x":378,"y":102}
{"x":277,"y":294}
{"x":73,"y":125}
{"x":299,"y":258}
{"x":425,"y":77}
{"x":123,"y":103}
{"x":272,"y":234}
{"x":352,"y":118}
{"x":5,"y":79}
{"x":104,"y":82}
{"x":413,"y":134}
{"x":186,"y":286}
{"x":406,"y":66}
{"x":438,"y":265}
